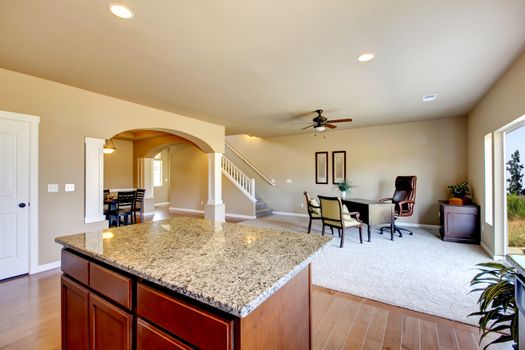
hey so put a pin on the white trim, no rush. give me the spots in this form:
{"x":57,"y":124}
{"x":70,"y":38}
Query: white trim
{"x":46,"y":267}
{"x":490,"y":253}
{"x":93,"y":179}
{"x":94,"y":219}
{"x":198,"y":211}
{"x":286,"y":213}
{"x":162,"y":204}
{"x":149,"y":213}
{"x":34,"y":122}
{"x":410,"y":224}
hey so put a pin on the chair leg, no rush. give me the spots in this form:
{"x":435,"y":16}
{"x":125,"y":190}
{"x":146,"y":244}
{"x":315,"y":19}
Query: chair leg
{"x":361,"y":234}
{"x":332,"y":230}
{"x":323,"y":230}
{"x":310,"y":225}
{"x":342,"y":237}
{"x":339,"y":232}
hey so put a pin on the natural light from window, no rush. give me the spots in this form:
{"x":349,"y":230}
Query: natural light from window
{"x":157,"y":170}
{"x":488,"y":179}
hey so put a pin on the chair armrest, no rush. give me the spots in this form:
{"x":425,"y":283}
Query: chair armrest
{"x":401,"y":203}
{"x":356,"y":214}
{"x":385,"y":200}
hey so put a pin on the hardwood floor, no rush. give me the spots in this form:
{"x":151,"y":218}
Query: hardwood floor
{"x":30,"y":319}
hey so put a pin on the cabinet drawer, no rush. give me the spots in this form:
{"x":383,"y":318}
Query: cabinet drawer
{"x":110,"y":284}
{"x":149,"y":337}
{"x":196,"y":326}
{"x":75,"y":267}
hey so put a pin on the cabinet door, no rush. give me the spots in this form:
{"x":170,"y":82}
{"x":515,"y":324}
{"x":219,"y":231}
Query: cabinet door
{"x":75,"y":315}
{"x":110,"y":326}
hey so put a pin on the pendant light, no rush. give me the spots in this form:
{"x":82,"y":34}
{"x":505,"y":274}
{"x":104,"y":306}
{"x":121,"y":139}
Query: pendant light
{"x":109,"y":147}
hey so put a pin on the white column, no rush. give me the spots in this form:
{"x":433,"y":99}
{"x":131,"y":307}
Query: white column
{"x":94,"y":180}
{"x":214,"y":209}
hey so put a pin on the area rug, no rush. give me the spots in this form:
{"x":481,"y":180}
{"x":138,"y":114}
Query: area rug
{"x":419,"y":272}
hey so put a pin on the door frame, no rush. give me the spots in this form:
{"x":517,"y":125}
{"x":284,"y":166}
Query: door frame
{"x":33,"y":122}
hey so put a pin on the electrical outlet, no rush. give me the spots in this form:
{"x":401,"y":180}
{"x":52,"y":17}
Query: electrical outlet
{"x":52,"y":188}
{"x":288,"y":181}
{"x":202,"y":202}
{"x":69,"y":187}
{"x":302,"y":205}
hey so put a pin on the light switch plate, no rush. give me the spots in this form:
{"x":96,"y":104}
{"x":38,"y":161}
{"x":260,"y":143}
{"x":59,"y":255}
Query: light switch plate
{"x":69,"y":187}
{"x":52,"y":187}
{"x":288,"y":181}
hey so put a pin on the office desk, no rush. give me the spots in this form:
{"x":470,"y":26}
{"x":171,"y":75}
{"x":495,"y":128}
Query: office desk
{"x":372,"y":212}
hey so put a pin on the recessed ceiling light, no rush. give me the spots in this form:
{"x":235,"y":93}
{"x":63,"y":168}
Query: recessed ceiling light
{"x":366,"y":57}
{"x":429,"y":97}
{"x":121,"y":11}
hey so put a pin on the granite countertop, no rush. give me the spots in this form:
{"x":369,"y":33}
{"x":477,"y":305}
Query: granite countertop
{"x":231,"y":267}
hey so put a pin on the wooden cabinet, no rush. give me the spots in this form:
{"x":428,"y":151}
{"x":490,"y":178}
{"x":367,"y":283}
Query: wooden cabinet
{"x":75,"y":315}
{"x":459,"y":223}
{"x":110,"y":327}
{"x":150,"y":337}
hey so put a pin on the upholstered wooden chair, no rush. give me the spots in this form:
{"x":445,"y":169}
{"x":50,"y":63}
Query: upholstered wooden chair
{"x":335,"y":215}
{"x":404,"y":199}
{"x":314,"y":210}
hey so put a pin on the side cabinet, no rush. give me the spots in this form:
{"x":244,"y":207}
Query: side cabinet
{"x":75,"y":315}
{"x":110,"y":326}
{"x":459,"y":223}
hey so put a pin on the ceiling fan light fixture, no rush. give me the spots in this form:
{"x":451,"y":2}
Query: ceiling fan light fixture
{"x":320,"y":128}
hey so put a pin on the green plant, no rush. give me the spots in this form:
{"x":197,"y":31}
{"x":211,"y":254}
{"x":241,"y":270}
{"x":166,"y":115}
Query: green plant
{"x":497,"y":304}
{"x":515,"y":168}
{"x":344,"y":186}
{"x":515,"y":207}
{"x":461,"y":190}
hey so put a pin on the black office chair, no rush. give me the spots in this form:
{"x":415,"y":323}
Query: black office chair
{"x":404,"y":201}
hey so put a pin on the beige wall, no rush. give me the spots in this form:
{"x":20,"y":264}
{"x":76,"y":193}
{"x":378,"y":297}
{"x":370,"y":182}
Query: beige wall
{"x":434,"y":151}
{"x":189,"y":186}
{"x":118,"y":166}
{"x":67,"y":116}
{"x":502,"y":104}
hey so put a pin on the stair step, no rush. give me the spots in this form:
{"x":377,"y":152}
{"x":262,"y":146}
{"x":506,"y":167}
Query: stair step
{"x":263,"y":212}
{"x":261,"y":205}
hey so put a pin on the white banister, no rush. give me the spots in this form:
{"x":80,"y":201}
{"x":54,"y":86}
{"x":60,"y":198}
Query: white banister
{"x":238,"y":178}
{"x":250,"y":164}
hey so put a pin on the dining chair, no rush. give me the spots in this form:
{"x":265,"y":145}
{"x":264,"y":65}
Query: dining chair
{"x":335,"y":215}
{"x":314,"y":209}
{"x":125,"y":201}
{"x":138,"y":205}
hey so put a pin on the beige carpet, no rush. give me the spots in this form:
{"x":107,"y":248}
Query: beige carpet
{"x":419,"y":272}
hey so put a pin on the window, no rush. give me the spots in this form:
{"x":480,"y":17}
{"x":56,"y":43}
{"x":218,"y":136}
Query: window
{"x":157,"y":170}
{"x":488,"y":180}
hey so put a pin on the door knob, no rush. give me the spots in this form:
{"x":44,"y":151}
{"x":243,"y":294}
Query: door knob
{"x":22,"y":205}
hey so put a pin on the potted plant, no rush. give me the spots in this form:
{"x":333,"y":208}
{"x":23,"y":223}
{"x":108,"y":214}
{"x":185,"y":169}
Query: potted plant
{"x":497,"y":303}
{"x":460,"y":193}
{"x":344,"y":187}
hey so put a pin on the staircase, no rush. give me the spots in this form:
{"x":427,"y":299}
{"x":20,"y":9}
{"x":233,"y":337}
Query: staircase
{"x":261,"y":208}
{"x":245,"y":185}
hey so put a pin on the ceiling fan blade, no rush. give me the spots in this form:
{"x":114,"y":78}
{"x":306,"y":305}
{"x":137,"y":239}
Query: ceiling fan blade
{"x":330,"y":126}
{"x":339,"y":120}
{"x":306,"y":127}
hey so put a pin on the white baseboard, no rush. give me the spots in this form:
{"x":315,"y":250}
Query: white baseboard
{"x":287,"y":213}
{"x":490,"y":253}
{"x":149,"y":213}
{"x":163,"y":204}
{"x":45,"y":267}
{"x":198,"y":211}
{"x":410,"y":224}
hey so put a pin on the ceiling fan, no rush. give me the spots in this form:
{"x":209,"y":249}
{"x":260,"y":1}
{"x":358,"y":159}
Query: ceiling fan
{"x":320,"y":122}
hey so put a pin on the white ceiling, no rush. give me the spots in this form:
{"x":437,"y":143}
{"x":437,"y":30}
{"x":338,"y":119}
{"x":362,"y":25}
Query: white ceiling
{"x":259,"y":66}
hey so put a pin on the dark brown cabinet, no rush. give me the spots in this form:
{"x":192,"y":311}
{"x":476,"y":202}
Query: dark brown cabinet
{"x":75,"y":315}
{"x":459,"y":223}
{"x":149,"y":337}
{"x":110,"y":327}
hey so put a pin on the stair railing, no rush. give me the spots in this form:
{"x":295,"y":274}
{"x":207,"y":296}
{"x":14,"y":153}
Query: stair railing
{"x":250,"y":164}
{"x":238,"y":178}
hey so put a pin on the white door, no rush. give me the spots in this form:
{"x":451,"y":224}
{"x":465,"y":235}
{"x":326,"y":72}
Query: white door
{"x":14,"y":197}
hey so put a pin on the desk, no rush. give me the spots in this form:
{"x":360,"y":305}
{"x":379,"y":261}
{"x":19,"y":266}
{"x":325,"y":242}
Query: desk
{"x":372,"y":212}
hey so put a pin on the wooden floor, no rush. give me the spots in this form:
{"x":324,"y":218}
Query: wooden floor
{"x":30,"y":319}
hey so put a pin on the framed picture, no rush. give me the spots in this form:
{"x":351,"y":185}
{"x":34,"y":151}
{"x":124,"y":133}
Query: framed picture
{"x":338,"y":166}
{"x":321,"y":167}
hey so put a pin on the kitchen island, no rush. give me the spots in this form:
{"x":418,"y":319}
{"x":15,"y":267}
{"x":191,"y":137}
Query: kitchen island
{"x":187,"y":283}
